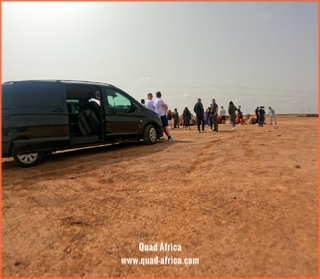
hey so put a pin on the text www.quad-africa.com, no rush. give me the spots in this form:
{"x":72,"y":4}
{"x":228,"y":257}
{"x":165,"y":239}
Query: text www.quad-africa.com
{"x":157,"y":260}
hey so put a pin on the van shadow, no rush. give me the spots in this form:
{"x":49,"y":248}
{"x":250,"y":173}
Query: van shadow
{"x":102,"y":155}
{"x":106,"y":155}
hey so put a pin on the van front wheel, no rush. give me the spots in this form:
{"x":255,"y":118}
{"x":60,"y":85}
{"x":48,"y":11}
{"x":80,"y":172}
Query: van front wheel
{"x":150,"y":134}
{"x":28,"y":160}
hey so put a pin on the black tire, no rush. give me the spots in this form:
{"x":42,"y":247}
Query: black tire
{"x":28,"y":160}
{"x":150,"y":135}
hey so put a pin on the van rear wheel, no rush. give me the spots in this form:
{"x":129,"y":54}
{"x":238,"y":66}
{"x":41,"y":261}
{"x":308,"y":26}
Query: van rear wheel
{"x":28,"y":160}
{"x":150,"y":134}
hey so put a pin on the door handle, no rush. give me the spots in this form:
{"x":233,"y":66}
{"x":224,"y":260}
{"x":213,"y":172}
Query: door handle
{"x":57,"y":110}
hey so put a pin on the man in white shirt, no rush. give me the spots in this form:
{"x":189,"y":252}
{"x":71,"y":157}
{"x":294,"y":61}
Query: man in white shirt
{"x":150,"y":103}
{"x":161,"y":109}
{"x":223,"y":115}
{"x":272,"y":115}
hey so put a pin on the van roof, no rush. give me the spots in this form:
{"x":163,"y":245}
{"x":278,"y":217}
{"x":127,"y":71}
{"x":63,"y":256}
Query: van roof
{"x":63,"y":81}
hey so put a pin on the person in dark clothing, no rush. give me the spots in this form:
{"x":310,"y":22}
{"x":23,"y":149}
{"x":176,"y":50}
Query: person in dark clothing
{"x":261,"y":116}
{"x":170,"y":120}
{"x":257,"y":115}
{"x":232,"y":113}
{"x":214,"y":116}
{"x":208,"y":119}
{"x":198,"y":109}
{"x":186,"y":118}
{"x":207,"y":116}
{"x":240,"y":115}
{"x":176,"y":118}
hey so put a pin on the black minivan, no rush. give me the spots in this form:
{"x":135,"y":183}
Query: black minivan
{"x":43,"y":116}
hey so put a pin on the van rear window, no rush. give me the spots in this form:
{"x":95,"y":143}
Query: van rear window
{"x":37,"y":94}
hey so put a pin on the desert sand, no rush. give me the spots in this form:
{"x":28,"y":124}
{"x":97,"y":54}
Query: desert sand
{"x":245,"y":203}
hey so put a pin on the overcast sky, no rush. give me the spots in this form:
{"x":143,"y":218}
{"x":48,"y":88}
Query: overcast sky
{"x":250,"y":53}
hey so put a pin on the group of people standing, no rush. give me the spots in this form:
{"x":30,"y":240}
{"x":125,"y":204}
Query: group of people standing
{"x":173,"y":119}
{"x":161,"y":108}
{"x":261,"y":116}
{"x":209,"y":117}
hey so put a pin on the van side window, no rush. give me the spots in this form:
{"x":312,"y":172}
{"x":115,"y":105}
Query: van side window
{"x":37,"y":94}
{"x":73,"y":105}
{"x":117,"y":100}
{"x":6,"y":94}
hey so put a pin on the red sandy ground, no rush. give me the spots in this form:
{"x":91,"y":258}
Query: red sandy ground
{"x":243,"y":202}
